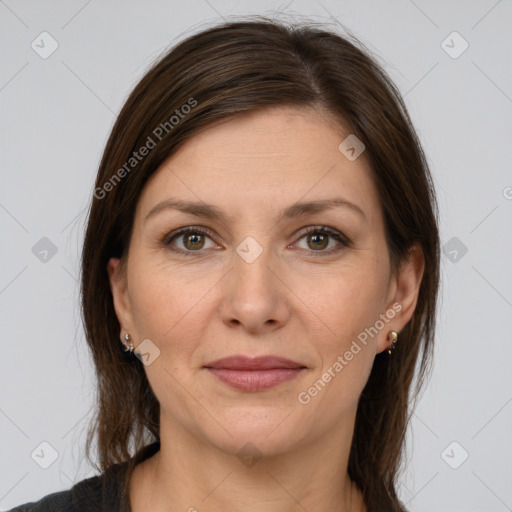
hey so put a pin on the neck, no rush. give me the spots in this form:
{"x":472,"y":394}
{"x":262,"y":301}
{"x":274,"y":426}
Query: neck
{"x":192,"y":475}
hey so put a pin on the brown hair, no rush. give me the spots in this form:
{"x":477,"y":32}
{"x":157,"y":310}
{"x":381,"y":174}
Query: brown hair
{"x":222,"y":71}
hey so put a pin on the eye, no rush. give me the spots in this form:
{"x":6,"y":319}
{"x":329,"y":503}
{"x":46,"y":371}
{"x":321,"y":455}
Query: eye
{"x":193,"y":240}
{"x":317,"y":239}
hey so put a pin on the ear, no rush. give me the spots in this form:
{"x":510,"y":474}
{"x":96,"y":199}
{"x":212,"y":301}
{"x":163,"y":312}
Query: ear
{"x":404,"y":288}
{"x":119,"y":288}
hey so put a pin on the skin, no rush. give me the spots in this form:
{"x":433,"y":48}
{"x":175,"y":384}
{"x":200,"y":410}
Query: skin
{"x":296,"y":300}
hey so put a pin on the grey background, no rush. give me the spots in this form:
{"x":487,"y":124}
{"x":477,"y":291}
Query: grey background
{"x":56,"y":115}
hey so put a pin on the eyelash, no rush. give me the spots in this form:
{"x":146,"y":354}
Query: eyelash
{"x":323,"y":230}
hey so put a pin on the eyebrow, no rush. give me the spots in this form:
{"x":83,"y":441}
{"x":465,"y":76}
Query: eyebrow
{"x":210,"y":211}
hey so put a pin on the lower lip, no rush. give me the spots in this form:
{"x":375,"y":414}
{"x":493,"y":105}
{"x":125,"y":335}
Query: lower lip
{"x":255,"y":380}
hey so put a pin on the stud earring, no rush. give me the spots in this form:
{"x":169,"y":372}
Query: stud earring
{"x":129,"y":343}
{"x":393,"y":339}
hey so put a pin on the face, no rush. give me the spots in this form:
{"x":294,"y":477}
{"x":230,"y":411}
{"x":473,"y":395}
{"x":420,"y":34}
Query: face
{"x":312,"y":285}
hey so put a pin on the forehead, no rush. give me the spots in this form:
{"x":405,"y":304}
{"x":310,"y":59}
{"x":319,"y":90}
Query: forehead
{"x":266,"y":158}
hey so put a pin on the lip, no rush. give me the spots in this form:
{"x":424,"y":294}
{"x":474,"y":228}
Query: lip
{"x":241,"y":362}
{"x":254,"y":374}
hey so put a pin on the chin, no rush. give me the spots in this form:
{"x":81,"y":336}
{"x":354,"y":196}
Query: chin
{"x":254,"y":444}
{"x":266,"y":430}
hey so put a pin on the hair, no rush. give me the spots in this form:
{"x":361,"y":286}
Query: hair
{"x":225,"y":70}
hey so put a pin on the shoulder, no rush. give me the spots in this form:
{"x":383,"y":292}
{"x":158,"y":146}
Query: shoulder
{"x":86,"y":495}
{"x":61,"y":501}
{"x":94,"y":494}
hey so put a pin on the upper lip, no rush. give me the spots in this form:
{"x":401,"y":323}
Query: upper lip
{"x":241,"y":362}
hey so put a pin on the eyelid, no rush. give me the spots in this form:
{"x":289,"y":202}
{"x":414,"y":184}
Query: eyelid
{"x":327,"y":230}
{"x":181,"y":231}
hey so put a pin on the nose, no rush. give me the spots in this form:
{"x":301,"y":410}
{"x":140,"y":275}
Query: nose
{"x":255,"y":296}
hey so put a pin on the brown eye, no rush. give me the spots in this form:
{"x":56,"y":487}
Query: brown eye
{"x":318,"y":241}
{"x":193,"y":241}
{"x":319,"y":238}
{"x":188,"y":241}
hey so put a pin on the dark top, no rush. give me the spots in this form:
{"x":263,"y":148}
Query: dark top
{"x":100,"y":493}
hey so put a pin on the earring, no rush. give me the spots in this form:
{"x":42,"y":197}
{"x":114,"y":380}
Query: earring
{"x":393,"y":337}
{"x":129,"y":343}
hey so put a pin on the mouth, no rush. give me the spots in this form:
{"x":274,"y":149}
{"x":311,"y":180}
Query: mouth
{"x":254,"y":374}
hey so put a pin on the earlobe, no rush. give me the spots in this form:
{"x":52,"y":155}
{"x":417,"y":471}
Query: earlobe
{"x":119,"y":289}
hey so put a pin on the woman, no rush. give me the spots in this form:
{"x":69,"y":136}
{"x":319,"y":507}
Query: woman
{"x":263,"y":241}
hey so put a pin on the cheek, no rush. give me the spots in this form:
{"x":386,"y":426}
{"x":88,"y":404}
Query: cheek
{"x":344,"y":361}
{"x":164,"y":303}
{"x":344,"y":303}
{"x":345,"y":306}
